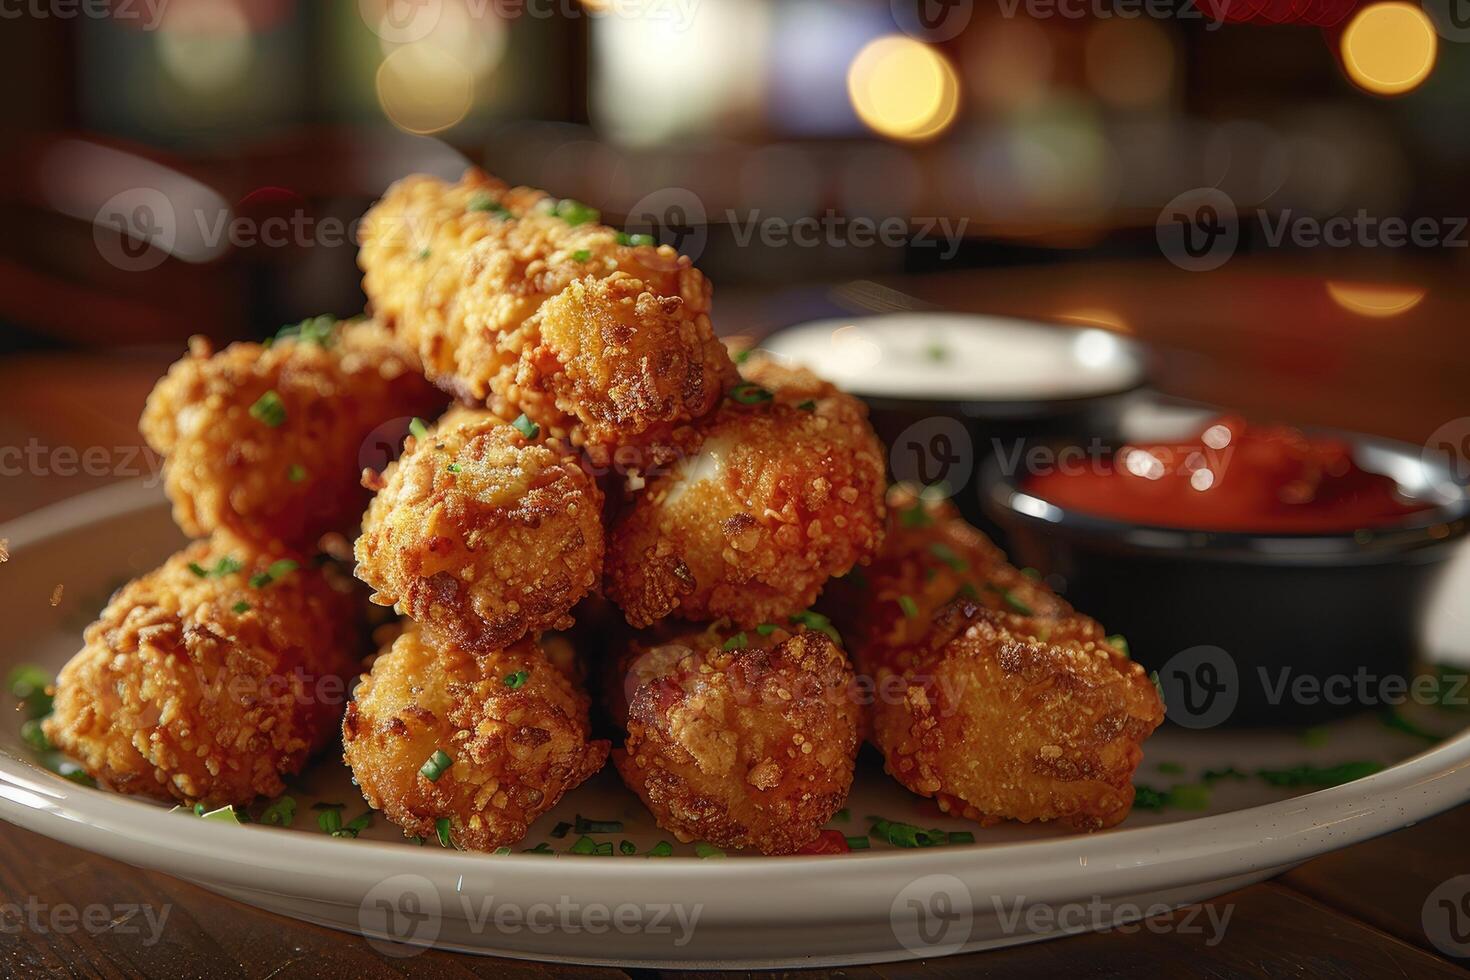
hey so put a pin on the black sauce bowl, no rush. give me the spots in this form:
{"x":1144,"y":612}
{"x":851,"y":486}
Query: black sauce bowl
{"x":1255,"y":628}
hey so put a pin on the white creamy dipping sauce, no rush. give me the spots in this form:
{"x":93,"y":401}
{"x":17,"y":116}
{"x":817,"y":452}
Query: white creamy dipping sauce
{"x":958,"y":356}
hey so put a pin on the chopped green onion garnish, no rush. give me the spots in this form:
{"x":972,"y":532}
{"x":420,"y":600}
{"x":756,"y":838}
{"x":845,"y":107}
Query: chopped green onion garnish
{"x":587,"y":826}
{"x":296,"y":472}
{"x":1009,"y":599}
{"x":1190,"y":797}
{"x":749,"y":393}
{"x":33,"y":735}
{"x":1031,"y":573}
{"x":627,"y":847}
{"x":1215,"y":775}
{"x":435,"y":766}
{"x":583,"y":845}
{"x":915,"y":516}
{"x":1148,"y":798}
{"x":708,"y":850}
{"x":1170,"y":768}
{"x":269,"y":409}
{"x":1394,"y":719}
{"x":28,"y":680}
{"x":499,"y":850}
{"x":1308,"y":775}
{"x":441,"y":827}
{"x":1119,"y":642}
{"x":418,"y":428}
{"x":198,"y":569}
{"x":741,"y":356}
{"x":843,"y":815}
{"x":947,"y":555}
{"x":483,"y":202}
{"x":858,"y":843}
{"x":1153,"y":675}
{"x":575,"y":212}
{"x":225,"y":814}
{"x":560,"y":830}
{"x":314,"y":330}
{"x":424,"y":252}
{"x":454,"y":468}
{"x":961,"y":837}
{"x":517,"y":680}
{"x":661,"y":850}
{"x":275,"y":570}
{"x":280,"y":813}
{"x":241,"y":607}
{"x":908,"y":835}
{"x":526,"y":427}
{"x":581,"y":255}
{"x":766,"y":629}
{"x":227,"y":566}
{"x":909,"y":607}
{"x":354,"y":826}
{"x":541,"y":848}
{"x":736,"y":642}
{"x":329,"y":820}
{"x":626,"y":239}
{"x":816,"y":621}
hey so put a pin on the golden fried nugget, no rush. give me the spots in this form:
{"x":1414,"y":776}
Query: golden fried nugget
{"x":747,"y":747}
{"x":510,"y":725}
{"x":481,"y":534}
{"x":990,"y":693}
{"x":527,"y":304}
{"x":785,"y":493}
{"x":211,"y":677}
{"x":265,"y":441}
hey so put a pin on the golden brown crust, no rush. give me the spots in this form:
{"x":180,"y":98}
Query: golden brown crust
{"x":511,"y":721}
{"x":182,"y":692}
{"x":745,"y":748}
{"x":461,"y":271}
{"x":481,"y":534}
{"x":785,"y":493}
{"x":991,"y":693}
{"x":292,"y":481}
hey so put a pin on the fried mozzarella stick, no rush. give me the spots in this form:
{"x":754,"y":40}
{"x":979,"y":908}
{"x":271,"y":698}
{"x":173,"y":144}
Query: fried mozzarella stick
{"x":527,"y":304}
{"x":464,"y":747}
{"x":482,"y":532}
{"x":265,"y":440}
{"x":990,"y":693}
{"x":785,"y":493}
{"x":743,"y":740}
{"x":212,"y":677}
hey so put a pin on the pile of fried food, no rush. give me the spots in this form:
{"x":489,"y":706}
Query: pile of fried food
{"x":614,"y":501}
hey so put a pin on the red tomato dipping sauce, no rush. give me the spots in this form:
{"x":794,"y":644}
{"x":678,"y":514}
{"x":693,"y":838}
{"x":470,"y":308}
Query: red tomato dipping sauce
{"x":1231,"y":477}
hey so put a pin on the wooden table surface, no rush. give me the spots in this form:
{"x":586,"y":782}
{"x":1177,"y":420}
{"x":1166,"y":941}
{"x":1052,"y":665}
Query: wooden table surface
{"x":1267,"y":341}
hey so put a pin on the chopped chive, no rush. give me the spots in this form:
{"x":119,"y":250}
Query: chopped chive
{"x":909,"y":607}
{"x":947,"y":555}
{"x":34,"y":735}
{"x":843,"y":815}
{"x":661,"y":850}
{"x":435,"y":766}
{"x":329,"y":821}
{"x":526,"y":427}
{"x":296,"y":473}
{"x":274,"y":571}
{"x":961,"y":837}
{"x":741,"y":356}
{"x":575,"y":213}
{"x":1190,"y":797}
{"x":28,"y":680}
{"x":855,"y":843}
{"x":241,"y":607}
{"x":269,"y":409}
{"x":541,"y":848}
{"x":627,"y":847}
{"x":225,"y":814}
{"x":813,"y":620}
{"x":280,"y":813}
{"x":1309,"y":775}
{"x":750,"y":393}
{"x":499,"y":850}
{"x":560,"y":830}
{"x":198,"y":569}
{"x":1394,"y":719}
{"x":517,"y":680}
{"x":1170,"y":768}
{"x":581,"y":255}
{"x":228,"y":565}
{"x":425,"y":252}
{"x":1215,"y":775}
{"x":589,"y":826}
{"x":1034,"y":575}
{"x":708,"y":850}
{"x":418,"y":428}
{"x":637,"y":239}
{"x":1153,"y":675}
{"x":454,"y":468}
{"x":808,"y":406}
{"x":441,"y":828}
{"x":1119,"y":642}
{"x":1009,"y":599}
{"x":354,"y":826}
{"x":483,"y":202}
{"x":313,"y":330}
{"x":1148,"y":798}
{"x":907,"y":834}
{"x":766,"y":629}
{"x":583,"y":845}
{"x":736,"y":642}
{"x":915,"y":516}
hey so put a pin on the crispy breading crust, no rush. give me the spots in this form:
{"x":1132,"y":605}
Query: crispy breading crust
{"x":297,"y":480}
{"x":992,"y":694}
{"x":746,"y":748}
{"x":786,"y":493}
{"x":625,"y":358}
{"x":481,"y":534}
{"x":515,"y":749}
{"x":178,"y":695}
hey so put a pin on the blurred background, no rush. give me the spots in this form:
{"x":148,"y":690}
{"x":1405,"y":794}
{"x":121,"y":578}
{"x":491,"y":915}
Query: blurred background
{"x":197,"y":166}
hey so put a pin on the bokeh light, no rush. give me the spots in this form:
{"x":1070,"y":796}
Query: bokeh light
{"x":1130,"y":63}
{"x":1389,"y":48}
{"x":903,"y":88}
{"x":205,"y":45}
{"x":423,"y":88}
{"x":1374,"y":299}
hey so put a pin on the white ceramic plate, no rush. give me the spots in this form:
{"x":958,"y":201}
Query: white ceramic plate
{"x":1015,"y":884}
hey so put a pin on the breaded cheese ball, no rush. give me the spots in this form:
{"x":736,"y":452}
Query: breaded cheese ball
{"x":265,"y":441}
{"x":212,"y":677}
{"x":785,"y":493}
{"x":486,"y":742}
{"x":743,"y":739}
{"x":626,"y":358}
{"x":481,"y":534}
{"x":993,"y":695}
